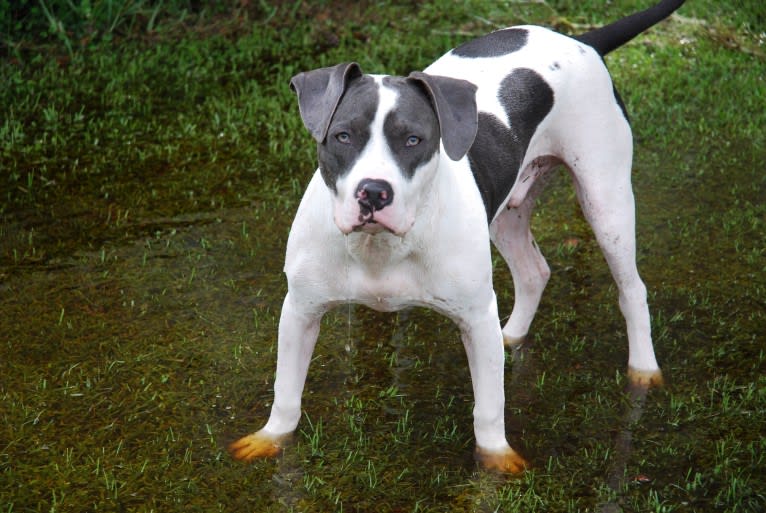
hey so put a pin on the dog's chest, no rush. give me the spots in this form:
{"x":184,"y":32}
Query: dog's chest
{"x":385,"y":273}
{"x":388,"y":289}
{"x":379,"y":271}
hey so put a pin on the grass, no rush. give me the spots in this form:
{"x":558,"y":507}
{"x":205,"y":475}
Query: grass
{"x":151,"y":158}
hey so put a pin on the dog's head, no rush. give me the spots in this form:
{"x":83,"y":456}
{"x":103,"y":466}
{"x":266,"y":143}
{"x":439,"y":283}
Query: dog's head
{"x":379,"y":139}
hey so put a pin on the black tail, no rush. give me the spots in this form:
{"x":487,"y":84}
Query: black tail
{"x":614,"y":35}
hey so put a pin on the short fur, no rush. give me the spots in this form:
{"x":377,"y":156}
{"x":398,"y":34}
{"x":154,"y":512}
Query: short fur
{"x":417,"y":174}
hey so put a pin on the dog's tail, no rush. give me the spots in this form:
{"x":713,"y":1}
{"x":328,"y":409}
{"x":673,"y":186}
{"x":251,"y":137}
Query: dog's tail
{"x":614,"y":35}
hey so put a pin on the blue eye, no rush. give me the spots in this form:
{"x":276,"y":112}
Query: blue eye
{"x":343,"y":138}
{"x":413,"y":140}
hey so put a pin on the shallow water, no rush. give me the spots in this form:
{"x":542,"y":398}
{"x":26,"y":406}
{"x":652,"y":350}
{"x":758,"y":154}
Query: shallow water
{"x":142,"y":356}
{"x":139,"y":314}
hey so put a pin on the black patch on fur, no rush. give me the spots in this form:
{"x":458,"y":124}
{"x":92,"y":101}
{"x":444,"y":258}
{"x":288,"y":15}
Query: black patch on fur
{"x":494,"y":44}
{"x":354,"y":116}
{"x":624,"y":110}
{"x":498,"y":151}
{"x":413,"y":115}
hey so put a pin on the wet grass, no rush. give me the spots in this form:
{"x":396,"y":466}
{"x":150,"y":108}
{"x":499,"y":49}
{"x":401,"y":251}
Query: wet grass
{"x":148,"y":176}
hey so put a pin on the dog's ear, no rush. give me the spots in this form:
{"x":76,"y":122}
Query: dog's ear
{"x":455,"y":103}
{"x":319,"y":92}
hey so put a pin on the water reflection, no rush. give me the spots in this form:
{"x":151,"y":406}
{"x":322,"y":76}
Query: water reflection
{"x":287,"y":482}
{"x":523,"y":371}
{"x":623,"y":447}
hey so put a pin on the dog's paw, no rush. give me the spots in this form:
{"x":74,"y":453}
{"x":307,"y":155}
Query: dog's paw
{"x":506,"y":460}
{"x":645,"y":378}
{"x":256,"y":445}
{"x":511,"y":342}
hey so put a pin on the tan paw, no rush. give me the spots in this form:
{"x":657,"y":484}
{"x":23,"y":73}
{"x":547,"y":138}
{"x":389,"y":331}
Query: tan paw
{"x":507,"y":461}
{"x":256,"y":445}
{"x":645,"y":378}
{"x":511,"y":342}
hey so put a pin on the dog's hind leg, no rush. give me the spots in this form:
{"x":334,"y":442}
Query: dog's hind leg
{"x":606,"y":197}
{"x":511,"y":235}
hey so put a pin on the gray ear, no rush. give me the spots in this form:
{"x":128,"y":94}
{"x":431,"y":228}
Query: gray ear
{"x":319,"y":92}
{"x":455,"y":104}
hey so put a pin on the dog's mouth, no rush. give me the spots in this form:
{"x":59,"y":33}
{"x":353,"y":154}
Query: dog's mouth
{"x":372,"y":221}
{"x":369,"y":224}
{"x":367,"y":221}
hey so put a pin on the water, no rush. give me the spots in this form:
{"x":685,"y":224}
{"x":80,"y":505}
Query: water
{"x":130,"y":360}
{"x":140,"y":288}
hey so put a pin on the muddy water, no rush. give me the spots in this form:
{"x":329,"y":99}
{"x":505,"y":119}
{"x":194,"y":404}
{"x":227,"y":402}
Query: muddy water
{"x":136,"y":345}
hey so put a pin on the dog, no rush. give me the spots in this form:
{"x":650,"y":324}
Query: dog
{"x":418,"y":174}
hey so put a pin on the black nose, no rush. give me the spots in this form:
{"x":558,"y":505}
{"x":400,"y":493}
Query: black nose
{"x":374,"y":194}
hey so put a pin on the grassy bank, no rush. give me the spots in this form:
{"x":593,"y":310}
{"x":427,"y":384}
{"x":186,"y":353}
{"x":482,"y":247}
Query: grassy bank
{"x":151,"y":159}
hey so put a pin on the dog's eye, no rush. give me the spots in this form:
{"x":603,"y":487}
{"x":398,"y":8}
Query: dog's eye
{"x":343,"y":138}
{"x":413,"y":140}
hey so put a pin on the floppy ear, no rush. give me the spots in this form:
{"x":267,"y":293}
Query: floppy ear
{"x":319,"y":92}
{"x":455,"y":103}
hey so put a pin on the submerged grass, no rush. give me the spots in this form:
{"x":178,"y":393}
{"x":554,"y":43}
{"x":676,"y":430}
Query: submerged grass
{"x":149,"y":176}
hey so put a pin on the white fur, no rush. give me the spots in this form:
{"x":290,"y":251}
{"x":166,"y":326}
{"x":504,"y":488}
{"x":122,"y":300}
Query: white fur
{"x":439,"y":255}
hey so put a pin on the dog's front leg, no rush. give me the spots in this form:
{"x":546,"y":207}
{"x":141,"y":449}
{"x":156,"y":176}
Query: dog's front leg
{"x":298,"y":331}
{"x":483,"y":343}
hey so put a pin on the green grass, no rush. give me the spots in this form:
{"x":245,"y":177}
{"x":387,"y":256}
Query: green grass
{"x":151,"y":159}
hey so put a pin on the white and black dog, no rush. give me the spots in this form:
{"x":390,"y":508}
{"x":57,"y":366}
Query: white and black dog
{"x":417,"y":174}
